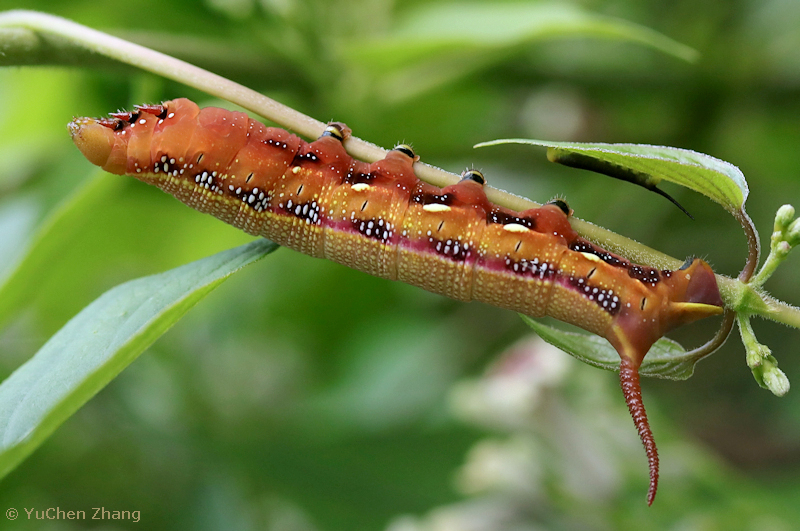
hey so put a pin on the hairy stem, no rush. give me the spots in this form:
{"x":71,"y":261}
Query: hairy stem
{"x":753,"y":244}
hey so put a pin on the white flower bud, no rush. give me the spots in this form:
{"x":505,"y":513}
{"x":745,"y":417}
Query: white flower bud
{"x":776,"y":381}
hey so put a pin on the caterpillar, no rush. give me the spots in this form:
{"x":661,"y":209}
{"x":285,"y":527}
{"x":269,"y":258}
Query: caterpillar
{"x":381,"y":219}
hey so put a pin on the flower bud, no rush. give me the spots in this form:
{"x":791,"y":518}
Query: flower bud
{"x":756,"y":355}
{"x":776,"y":381}
{"x":793,"y":233}
{"x":783,"y":217}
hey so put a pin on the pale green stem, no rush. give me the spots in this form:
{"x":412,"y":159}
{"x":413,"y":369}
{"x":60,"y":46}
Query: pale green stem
{"x":770,"y":265}
{"x":780,"y":312}
{"x":149,"y":60}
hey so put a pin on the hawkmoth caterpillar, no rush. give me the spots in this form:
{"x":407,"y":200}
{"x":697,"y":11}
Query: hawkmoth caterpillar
{"x":381,"y":219}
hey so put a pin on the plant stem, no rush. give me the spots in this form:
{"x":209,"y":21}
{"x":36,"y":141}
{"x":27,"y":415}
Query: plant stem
{"x":780,"y":312}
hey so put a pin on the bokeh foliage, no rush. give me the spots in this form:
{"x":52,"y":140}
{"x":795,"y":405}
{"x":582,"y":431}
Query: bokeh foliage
{"x":303,"y":395}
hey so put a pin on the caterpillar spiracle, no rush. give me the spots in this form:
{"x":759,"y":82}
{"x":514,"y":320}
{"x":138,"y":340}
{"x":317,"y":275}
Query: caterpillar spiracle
{"x":381,"y":219}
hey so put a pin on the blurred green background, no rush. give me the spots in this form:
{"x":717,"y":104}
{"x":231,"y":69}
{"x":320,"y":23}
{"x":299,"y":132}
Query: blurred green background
{"x":302,"y":395}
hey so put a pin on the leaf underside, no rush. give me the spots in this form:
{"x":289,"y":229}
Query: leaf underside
{"x":666,"y":358}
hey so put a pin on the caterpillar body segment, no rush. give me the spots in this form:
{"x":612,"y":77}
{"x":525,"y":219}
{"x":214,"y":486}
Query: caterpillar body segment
{"x":381,"y":219}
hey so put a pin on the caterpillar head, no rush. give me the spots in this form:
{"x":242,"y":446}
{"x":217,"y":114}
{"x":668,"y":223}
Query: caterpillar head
{"x":119,"y":142}
{"x":694,"y":293}
{"x":686,"y":295}
{"x":100,"y":144}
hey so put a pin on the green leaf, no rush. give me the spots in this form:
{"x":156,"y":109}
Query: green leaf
{"x":666,"y":358}
{"x":435,"y":28}
{"x":437,"y":43}
{"x":98,"y":343}
{"x":57,"y":232}
{"x":648,"y":165}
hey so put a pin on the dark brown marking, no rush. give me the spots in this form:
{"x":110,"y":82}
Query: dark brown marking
{"x":129,"y":117}
{"x":452,"y":249}
{"x":406,"y":150}
{"x":607,"y":300}
{"x":358,"y":177}
{"x":427,"y":198}
{"x":586,"y":247}
{"x":560,"y":203}
{"x":309,"y":156}
{"x":159,"y":111}
{"x":473,"y":175}
{"x":530,"y":268}
{"x":501,"y":218}
{"x":337,"y":130}
{"x":376,"y":229}
{"x":307,"y":211}
{"x":646,"y":275}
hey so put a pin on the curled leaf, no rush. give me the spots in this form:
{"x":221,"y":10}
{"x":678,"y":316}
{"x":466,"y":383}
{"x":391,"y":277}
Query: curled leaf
{"x":648,"y":165}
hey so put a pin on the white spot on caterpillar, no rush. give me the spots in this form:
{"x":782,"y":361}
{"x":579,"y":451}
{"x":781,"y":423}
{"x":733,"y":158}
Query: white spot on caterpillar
{"x":436,"y":207}
{"x":360,"y":187}
{"x":591,"y":257}
{"x":142,"y":121}
{"x":515,"y":227}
